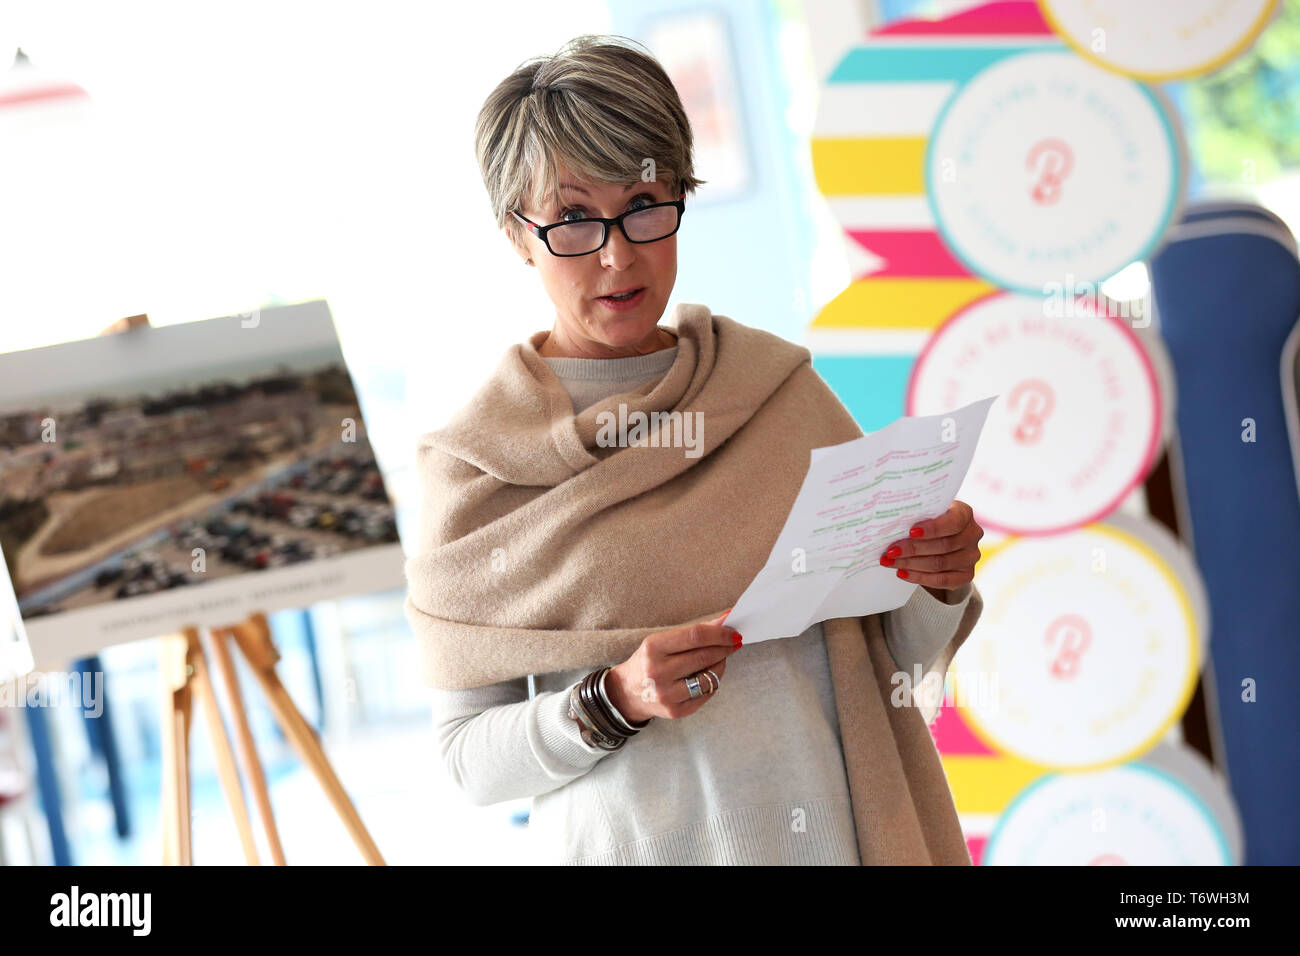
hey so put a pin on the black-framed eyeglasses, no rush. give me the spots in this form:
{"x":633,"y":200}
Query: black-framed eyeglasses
{"x":582,"y":237}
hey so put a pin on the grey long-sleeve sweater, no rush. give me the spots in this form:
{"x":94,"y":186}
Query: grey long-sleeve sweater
{"x":755,"y":776}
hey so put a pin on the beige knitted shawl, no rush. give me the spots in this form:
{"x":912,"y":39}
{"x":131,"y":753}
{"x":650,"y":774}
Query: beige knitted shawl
{"x":543,"y":549}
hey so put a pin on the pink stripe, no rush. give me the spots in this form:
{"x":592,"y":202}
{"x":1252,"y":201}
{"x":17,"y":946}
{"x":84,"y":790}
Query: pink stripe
{"x":976,"y":844}
{"x":44,"y":93}
{"x":1006,"y":18}
{"x":952,"y":735}
{"x":909,"y":252}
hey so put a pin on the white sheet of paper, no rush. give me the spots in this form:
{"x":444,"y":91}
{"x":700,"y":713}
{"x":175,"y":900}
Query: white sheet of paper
{"x":857,"y":498}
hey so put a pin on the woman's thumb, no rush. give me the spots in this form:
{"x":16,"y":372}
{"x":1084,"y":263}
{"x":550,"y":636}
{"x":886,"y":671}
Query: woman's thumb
{"x":719,"y":619}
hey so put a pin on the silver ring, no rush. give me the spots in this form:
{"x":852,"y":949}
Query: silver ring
{"x":693,"y":685}
{"x":716,"y":683}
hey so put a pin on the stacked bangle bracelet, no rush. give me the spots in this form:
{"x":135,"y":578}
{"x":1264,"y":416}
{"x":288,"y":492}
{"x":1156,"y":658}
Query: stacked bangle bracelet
{"x":600,"y":722}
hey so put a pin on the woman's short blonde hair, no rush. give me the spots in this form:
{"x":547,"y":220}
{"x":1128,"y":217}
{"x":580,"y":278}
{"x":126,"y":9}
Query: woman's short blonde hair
{"x":601,"y":106}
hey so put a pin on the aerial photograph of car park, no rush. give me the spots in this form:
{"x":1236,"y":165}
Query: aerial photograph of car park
{"x":111,"y":495}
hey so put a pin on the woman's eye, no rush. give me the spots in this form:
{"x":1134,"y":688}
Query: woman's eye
{"x":580,"y":212}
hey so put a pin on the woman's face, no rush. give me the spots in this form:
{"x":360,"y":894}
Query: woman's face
{"x":586,"y":325}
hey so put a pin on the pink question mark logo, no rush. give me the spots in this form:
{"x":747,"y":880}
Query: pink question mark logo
{"x":1049,"y":161}
{"x":1075,"y":635}
{"x":1033,"y":399}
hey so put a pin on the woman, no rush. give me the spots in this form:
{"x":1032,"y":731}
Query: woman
{"x":597,"y":559}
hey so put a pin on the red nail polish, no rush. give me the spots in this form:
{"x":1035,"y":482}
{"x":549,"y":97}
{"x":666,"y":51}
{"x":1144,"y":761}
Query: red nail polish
{"x":887,"y":562}
{"x":738,"y":641}
{"x":902,"y":572}
{"x":894,"y":552}
{"x":916,"y":532}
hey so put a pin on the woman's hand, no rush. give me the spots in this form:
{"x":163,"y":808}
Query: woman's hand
{"x":652,"y":682}
{"x":941,"y":553}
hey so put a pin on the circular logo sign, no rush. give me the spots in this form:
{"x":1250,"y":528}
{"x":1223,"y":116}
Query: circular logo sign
{"x":1131,"y":815}
{"x":1159,"y":39}
{"x":1044,"y":165}
{"x":1086,"y":653}
{"x":1078,"y":419}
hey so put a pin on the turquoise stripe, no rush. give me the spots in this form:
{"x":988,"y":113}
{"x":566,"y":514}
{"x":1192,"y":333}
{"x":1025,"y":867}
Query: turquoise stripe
{"x":872,"y":387}
{"x":923,"y":64}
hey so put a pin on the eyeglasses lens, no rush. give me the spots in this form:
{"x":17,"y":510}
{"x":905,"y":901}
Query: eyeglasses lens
{"x":576,"y":238}
{"x":642,"y":226}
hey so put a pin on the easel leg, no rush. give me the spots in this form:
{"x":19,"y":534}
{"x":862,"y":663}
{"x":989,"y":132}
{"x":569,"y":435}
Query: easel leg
{"x":225,"y":665}
{"x":226,"y":771}
{"x":254,"y":640}
{"x":173,"y":668}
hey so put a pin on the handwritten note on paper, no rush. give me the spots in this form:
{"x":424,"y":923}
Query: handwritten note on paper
{"x":856,"y":499}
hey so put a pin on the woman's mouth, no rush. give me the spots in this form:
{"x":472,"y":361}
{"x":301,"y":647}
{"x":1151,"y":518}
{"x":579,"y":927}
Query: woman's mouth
{"x":623,"y":302}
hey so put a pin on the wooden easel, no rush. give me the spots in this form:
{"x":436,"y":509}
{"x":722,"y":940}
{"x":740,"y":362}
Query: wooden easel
{"x":185,"y":672}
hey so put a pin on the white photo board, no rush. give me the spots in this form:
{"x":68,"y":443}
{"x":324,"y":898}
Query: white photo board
{"x":186,"y":476}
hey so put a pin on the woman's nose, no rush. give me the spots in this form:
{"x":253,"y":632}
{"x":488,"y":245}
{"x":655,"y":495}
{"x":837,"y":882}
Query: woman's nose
{"x":617,"y":251}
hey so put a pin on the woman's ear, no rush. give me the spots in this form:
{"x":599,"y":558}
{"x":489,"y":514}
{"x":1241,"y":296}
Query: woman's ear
{"x":518,"y":243}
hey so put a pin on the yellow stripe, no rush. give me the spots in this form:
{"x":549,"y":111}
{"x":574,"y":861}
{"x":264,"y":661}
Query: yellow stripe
{"x":898,"y":303}
{"x":987,"y":784}
{"x":872,"y":166}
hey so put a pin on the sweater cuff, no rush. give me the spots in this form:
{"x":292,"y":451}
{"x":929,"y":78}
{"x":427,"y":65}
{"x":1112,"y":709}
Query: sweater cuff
{"x":562,"y":735}
{"x":916,"y":632}
{"x":952,"y":596}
